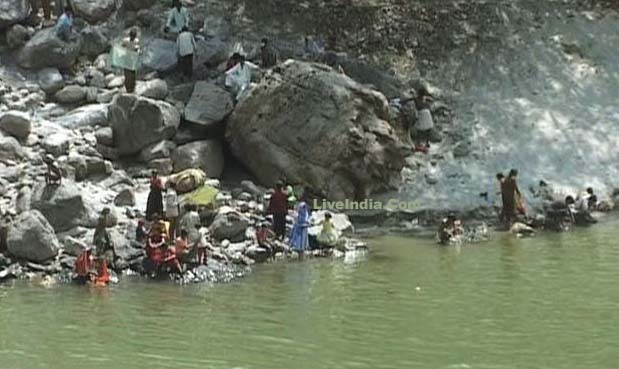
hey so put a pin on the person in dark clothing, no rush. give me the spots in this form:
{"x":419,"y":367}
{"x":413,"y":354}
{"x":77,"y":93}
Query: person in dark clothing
{"x":268,"y":56}
{"x":278,"y":207}
{"x":154,"y":204}
{"x":510,"y":195}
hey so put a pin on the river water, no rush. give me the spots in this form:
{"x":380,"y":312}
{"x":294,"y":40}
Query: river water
{"x":548,"y":302}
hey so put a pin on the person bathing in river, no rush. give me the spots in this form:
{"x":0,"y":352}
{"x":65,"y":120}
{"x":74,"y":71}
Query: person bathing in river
{"x":155,"y":246}
{"x":510,"y":195}
{"x":84,"y":266}
{"x":154,"y":204}
{"x":299,"y":238}
{"x":265,"y":238}
{"x":278,"y":207}
{"x":102,"y":239}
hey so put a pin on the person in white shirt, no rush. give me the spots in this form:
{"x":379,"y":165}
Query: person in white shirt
{"x":186,"y":47}
{"x":238,"y":77}
{"x":189,"y":221}
{"x":171,"y":209}
{"x":178,"y":18}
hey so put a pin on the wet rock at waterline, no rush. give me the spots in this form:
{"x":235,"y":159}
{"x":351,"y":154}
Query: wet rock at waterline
{"x":32,"y":238}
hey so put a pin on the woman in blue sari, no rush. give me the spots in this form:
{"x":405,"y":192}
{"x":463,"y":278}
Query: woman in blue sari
{"x":299,"y":240}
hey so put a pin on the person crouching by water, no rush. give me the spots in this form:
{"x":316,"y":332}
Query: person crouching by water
{"x":265,"y":238}
{"x":186,"y":47}
{"x":154,"y":204}
{"x":449,"y":229}
{"x":155,"y":245}
{"x":299,"y":238}
{"x":328,"y":235}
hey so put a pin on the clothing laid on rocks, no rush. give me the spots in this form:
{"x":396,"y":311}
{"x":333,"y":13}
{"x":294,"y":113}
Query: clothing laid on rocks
{"x":299,"y":238}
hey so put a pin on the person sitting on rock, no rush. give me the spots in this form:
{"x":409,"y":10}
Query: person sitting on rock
{"x":171,"y":260}
{"x":182,"y":246}
{"x":178,"y":18}
{"x":141,"y":232}
{"x":53,"y":175}
{"x":84,"y":266}
{"x":265,"y":237}
{"x":328,"y":235}
{"x":238,"y":78}
{"x":268,"y":56}
{"x":64,"y":26}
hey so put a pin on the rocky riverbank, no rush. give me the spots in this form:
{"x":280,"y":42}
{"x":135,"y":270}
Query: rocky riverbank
{"x":344,"y":135}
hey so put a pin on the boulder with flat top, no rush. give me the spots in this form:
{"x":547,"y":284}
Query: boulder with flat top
{"x":209,"y":105}
{"x":32,"y":238}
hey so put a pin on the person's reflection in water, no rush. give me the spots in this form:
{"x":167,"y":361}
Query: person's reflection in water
{"x":510,"y":252}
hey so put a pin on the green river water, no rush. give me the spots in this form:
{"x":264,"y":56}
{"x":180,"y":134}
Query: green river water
{"x":549,"y":302}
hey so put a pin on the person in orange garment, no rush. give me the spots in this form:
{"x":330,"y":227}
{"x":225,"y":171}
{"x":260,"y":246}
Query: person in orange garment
{"x":155,"y":245}
{"x":181,"y":246}
{"x":103,"y":275}
{"x":171,"y":260}
{"x":84,"y":266}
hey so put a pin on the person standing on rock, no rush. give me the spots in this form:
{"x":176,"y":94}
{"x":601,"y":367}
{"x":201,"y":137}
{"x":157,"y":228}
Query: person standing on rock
{"x":268,"y":56}
{"x":154,"y":204}
{"x":299,"y":237}
{"x":53,"y":175}
{"x":131,"y":43}
{"x":171,"y":209}
{"x":510,"y":194}
{"x":186,"y":48}
{"x":278,"y":207}
{"x":64,"y":26}
{"x":178,"y":18}
{"x":425,"y":123}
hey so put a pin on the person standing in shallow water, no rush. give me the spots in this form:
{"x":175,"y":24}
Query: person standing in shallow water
{"x":278,"y":207}
{"x":510,"y":195}
{"x":299,"y":238}
{"x":154,"y":204}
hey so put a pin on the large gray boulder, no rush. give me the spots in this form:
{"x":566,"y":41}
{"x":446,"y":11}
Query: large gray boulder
{"x":86,"y":116}
{"x":209,"y":105}
{"x":206,"y":155}
{"x":13,"y":11}
{"x":94,"y":42}
{"x":64,"y":206}
{"x":10,"y":149}
{"x":17,"y":36}
{"x":229,"y":224}
{"x":93,"y":10}
{"x":72,"y":94}
{"x":16,"y":123}
{"x":32,"y":238}
{"x":50,"y":80}
{"x":316,"y":126}
{"x":57,"y":143}
{"x":105,"y":136}
{"x":155,"y":89}
{"x":138,"y":122}
{"x":47,"y":50}
{"x":159,"y":55}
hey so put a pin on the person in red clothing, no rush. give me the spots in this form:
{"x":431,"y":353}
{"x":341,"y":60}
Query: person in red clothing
{"x":103,"y":275}
{"x":264,"y":236}
{"x":155,"y":246}
{"x":171,"y":260}
{"x":278,"y":207}
{"x":181,"y":246}
{"x":84,"y":266}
